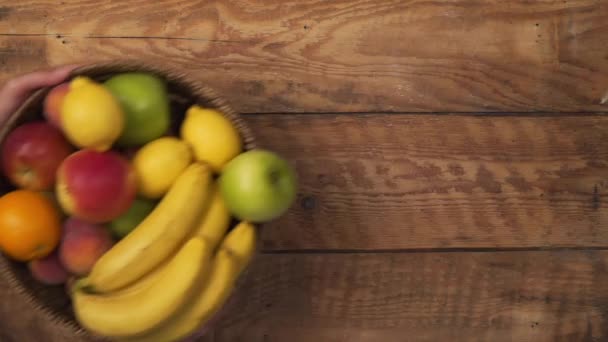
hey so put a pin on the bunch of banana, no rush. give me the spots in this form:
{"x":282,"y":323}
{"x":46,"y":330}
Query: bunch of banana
{"x":172,"y":272}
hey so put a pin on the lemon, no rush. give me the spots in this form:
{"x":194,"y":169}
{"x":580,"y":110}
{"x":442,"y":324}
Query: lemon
{"x":90,"y":115}
{"x":158,"y":164}
{"x":211,"y":135}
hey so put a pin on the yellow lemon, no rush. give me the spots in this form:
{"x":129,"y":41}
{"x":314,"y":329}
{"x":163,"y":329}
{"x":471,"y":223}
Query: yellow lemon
{"x":211,"y":135}
{"x":90,"y":116}
{"x":158,"y":164}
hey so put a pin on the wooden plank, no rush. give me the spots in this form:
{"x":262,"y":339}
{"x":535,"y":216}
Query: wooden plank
{"x":507,"y":296}
{"x":356,"y":55}
{"x":390,"y":181}
{"x":514,"y":296}
{"x":19,"y":56}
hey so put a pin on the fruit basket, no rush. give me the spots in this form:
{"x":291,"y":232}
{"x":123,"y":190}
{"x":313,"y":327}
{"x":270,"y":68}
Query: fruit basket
{"x":54,"y":302}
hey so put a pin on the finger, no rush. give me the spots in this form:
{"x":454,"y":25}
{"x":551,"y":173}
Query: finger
{"x":29,"y":82}
{"x":16,"y":90}
{"x":61,"y":74}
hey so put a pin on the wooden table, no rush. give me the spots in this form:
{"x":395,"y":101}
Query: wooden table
{"x":453,"y":156}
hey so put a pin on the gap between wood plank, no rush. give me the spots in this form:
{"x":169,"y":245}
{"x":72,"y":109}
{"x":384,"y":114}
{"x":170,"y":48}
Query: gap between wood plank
{"x":62,"y":35}
{"x":434,"y":250}
{"x":532,"y":114}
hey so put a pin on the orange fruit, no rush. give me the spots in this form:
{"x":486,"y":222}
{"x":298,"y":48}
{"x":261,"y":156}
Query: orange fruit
{"x":30,"y":225}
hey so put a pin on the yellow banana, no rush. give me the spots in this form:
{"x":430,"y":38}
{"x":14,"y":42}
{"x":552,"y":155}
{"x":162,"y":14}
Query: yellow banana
{"x":212,"y":228}
{"x":158,"y":236}
{"x":216,"y":221}
{"x":241,"y":242}
{"x":129,"y":313}
{"x":139,"y":285}
{"x":233,"y":256}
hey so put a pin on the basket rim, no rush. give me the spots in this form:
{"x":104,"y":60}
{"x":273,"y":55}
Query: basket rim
{"x":200,"y":93}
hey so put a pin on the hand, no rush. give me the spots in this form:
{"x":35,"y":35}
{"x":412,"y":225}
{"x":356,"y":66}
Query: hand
{"x":16,"y":90}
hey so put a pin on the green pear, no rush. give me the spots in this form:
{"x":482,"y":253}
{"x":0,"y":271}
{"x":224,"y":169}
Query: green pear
{"x":145,"y":101}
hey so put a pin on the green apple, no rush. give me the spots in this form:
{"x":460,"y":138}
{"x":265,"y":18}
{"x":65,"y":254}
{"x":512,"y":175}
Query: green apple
{"x":125,"y":223}
{"x":145,"y":101}
{"x":258,"y":186}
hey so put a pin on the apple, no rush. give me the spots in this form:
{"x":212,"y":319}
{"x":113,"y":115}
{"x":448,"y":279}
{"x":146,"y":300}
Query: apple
{"x":96,"y":186}
{"x":48,"y":270}
{"x":258,"y":186}
{"x":52,"y":103}
{"x":32,"y":153}
{"x":82,"y":244}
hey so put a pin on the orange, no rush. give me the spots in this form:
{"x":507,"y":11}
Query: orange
{"x":30,"y":225}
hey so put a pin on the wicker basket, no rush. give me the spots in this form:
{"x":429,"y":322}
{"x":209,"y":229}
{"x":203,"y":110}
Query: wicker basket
{"x":52,"y":302}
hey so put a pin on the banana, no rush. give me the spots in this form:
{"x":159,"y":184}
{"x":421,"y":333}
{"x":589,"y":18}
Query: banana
{"x":212,"y":228}
{"x":216,"y":221}
{"x":233,"y":256}
{"x":158,"y":236}
{"x":129,"y":313}
{"x":241,"y":242}
{"x":143,"y":282}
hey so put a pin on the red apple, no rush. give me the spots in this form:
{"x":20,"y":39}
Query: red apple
{"x":53,"y":102}
{"x":48,"y":270}
{"x":96,"y":186}
{"x":32,"y":153}
{"x":82,"y":245}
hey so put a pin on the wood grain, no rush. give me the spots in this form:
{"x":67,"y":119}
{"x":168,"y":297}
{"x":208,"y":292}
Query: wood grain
{"x":532,"y":296}
{"x":509,"y":296}
{"x":390,"y":181}
{"x":18,"y":56}
{"x":357,"y":55}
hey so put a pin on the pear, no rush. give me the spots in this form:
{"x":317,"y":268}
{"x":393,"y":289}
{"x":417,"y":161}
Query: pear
{"x":145,"y":101}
